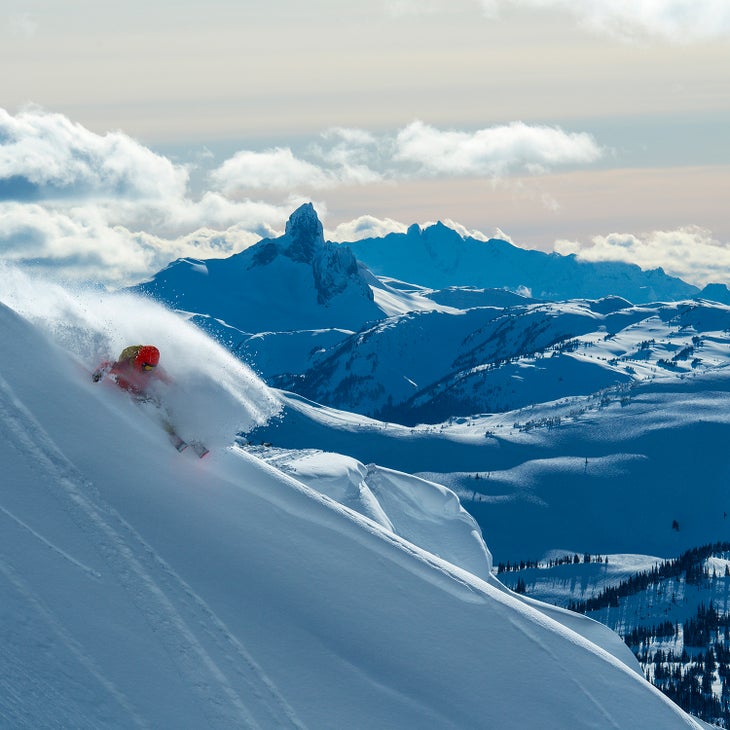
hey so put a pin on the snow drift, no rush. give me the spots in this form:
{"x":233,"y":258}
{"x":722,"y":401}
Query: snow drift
{"x":143,"y":588}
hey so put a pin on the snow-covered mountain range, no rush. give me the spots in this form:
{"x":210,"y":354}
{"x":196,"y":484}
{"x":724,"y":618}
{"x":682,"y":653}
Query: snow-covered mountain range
{"x":143,"y":588}
{"x":327,"y":565}
{"x":296,"y":282}
{"x":309,"y":318}
{"x":438,"y":256}
{"x":490,"y":359}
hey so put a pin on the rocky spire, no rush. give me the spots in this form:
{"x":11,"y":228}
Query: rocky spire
{"x":306,"y":234}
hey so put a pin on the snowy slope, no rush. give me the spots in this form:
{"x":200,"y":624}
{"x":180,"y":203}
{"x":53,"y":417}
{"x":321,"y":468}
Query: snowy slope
{"x":431,"y":366}
{"x":143,"y":588}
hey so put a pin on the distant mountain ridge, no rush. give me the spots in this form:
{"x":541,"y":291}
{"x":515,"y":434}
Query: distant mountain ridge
{"x":438,"y":257}
{"x":300,"y":281}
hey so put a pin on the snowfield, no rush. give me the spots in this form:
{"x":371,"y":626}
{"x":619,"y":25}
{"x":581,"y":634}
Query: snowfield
{"x":146,"y":588}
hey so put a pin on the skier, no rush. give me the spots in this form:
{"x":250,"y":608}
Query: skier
{"x":135,"y":371}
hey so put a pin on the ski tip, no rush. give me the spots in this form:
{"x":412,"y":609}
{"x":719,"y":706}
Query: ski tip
{"x":200,"y":449}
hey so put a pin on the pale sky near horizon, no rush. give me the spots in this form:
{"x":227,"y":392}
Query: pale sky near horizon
{"x":600,"y":127}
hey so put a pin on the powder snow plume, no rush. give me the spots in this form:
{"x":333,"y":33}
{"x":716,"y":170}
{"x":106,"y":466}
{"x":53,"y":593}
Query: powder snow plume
{"x":212,"y":396}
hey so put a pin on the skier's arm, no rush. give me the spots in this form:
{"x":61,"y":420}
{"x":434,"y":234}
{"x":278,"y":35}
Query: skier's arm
{"x":101,"y":371}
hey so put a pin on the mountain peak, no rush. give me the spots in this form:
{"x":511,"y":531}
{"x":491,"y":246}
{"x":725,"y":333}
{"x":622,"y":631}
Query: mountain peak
{"x":716,"y":293}
{"x":305,"y":232}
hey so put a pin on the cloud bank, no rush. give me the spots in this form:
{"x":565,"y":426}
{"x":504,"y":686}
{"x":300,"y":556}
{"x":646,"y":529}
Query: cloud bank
{"x":691,"y":253}
{"x":493,"y":151}
{"x":355,"y":157}
{"x":45,"y":155}
{"x":106,"y":209}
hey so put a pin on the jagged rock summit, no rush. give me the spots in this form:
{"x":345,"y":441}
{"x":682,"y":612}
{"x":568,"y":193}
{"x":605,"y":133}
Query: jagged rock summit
{"x":334,"y":267}
{"x":305,"y":234}
{"x":298,"y":281}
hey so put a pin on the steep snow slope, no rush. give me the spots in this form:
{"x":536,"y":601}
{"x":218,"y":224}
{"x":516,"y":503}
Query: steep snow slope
{"x":142,"y":588}
{"x":426,"y":514}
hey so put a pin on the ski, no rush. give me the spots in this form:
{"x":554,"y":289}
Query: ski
{"x":201,"y":450}
{"x":178,"y":443}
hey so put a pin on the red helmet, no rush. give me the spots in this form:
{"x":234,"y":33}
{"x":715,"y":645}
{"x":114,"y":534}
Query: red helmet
{"x":147,"y":358}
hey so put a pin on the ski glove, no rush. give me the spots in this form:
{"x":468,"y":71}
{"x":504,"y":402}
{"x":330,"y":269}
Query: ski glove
{"x":100,"y":372}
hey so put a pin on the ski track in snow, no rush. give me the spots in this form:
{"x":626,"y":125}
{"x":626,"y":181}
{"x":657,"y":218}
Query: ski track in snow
{"x":49,"y":544}
{"x":58,"y":630}
{"x":222,"y":677}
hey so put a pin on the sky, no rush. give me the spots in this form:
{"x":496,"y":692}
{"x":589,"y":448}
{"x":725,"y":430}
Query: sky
{"x":134,"y":133}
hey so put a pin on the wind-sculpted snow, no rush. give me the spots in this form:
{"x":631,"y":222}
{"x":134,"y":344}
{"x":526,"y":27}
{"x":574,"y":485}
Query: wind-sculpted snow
{"x":422,"y":512}
{"x":144,"y":588}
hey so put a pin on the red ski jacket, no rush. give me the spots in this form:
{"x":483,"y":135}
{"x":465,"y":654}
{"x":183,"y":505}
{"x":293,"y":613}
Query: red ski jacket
{"x":135,"y":379}
{"x":128,"y":378}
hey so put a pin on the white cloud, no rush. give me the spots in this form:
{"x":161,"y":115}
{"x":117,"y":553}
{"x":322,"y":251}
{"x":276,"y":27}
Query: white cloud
{"x":494,"y":150}
{"x":366,"y":226}
{"x":106,"y":208}
{"x":352,"y":154}
{"x":678,"y":21}
{"x":690,"y":253}
{"x":276,"y":169}
{"x":675,"y":21}
{"x":357,"y":157}
{"x":37,"y":237}
{"x":342,"y":158}
{"x":81,"y":244}
{"x":45,"y":155}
